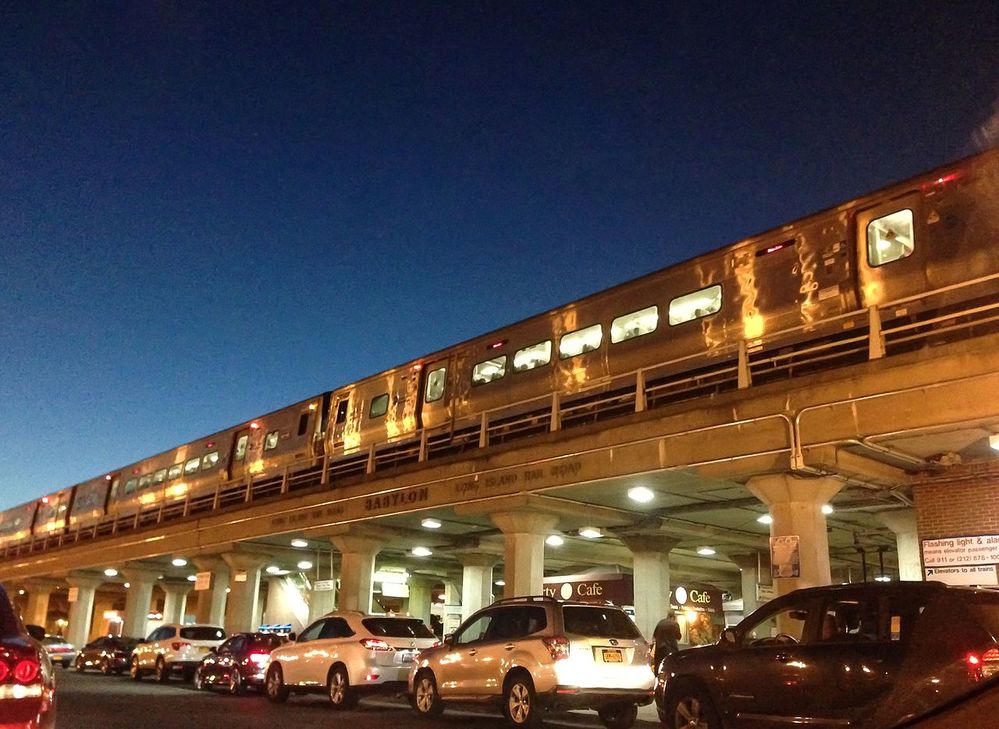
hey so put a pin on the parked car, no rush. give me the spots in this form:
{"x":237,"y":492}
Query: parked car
{"x":174,"y":649}
{"x":107,"y":654}
{"x":27,"y":681}
{"x":238,"y":663}
{"x":532,"y":654}
{"x":345,"y":654}
{"x":867,"y":655}
{"x":60,"y":650}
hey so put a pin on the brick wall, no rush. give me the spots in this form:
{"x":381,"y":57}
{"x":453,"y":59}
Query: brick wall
{"x":962,"y":501}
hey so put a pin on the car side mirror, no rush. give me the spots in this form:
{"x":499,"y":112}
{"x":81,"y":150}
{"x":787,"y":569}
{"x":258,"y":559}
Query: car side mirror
{"x":213,"y":649}
{"x":140,"y":641}
{"x":292,"y":637}
{"x":728,"y":638}
{"x":449,"y":640}
{"x":36,"y":631}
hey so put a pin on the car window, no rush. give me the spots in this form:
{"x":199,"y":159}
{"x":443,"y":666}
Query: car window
{"x":779,"y":626}
{"x":475,"y":630}
{"x":517,"y":622}
{"x":162,"y":634}
{"x":202,"y":633}
{"x":312,"y":632}
{"x":227,"y":646}
{"x":335,"y":628}
{"x":237,"y":644}
{"x":266,"y":642}
{"x":398,"y":627}
{"x":851,"y":619}
{"x":599,"y":622}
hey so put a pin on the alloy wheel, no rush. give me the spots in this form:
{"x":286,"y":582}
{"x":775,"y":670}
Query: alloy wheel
{"x":519,"y":705}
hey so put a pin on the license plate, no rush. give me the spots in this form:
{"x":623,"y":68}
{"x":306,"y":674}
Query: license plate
{"x":407,"y":657}
{"x":612,"y":655}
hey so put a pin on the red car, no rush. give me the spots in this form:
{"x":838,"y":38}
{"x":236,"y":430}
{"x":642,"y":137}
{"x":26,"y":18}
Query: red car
{"x":27,"y":683}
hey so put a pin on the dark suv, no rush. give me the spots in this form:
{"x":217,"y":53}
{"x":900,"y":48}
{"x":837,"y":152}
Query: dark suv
{"x":864,"y":654}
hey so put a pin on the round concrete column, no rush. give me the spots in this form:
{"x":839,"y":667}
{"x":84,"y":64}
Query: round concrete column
{"x":903,"y":524}
{"x":650,"y":568}
{"x":243,"y":608}
{"x":174,"y":601}
{"x":81,"y":610}
{"x":420,"y":594}
{"x":138,"y":598}
{"x":212,"y":602}
{"x":749,"y":569}
{"x":796,"y":508}
{"x":476,"y":581}
{"x":36,"y":612}
{"x":322,"y":601}
{"x":357,"y":565}
{"x":524,"y":534}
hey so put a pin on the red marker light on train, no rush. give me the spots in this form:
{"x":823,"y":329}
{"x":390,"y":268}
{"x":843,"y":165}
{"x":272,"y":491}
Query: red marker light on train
{"x":45,"y":499}
{"x":210,"y":444}
{"x":497,"y":345}
{"x":108,"y":477}
{"x":417,"y":367}
{"x":254,"y":426}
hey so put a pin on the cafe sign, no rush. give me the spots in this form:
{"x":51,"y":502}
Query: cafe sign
{"x":696,"y":597}
{"x":600,"y":588}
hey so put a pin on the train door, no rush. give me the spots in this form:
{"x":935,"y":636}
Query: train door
{"x":240,"y":447}
{"x":338,"y":428}
{"x":435,"y":397}
{"x":891,"y":252}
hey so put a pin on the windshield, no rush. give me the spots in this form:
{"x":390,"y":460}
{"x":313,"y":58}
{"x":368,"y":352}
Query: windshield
{"x":398,"y":627}
{"x":202,"y":633}
{"x":598,"y":622}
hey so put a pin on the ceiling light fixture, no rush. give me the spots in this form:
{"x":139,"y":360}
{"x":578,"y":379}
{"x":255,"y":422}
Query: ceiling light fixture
{"x":590,"y":533}
{"x":705,"y":551}
{"x":192,"y":578}
{"x":179,"y":562}
{"x":500,"y":583}
{"x":430,"y":523}
{"x":827,"y":509}
{"x":421,"y":552}
{"x":765,"y":519}
{"x":554,"y":540}
{"x":299,"y":543}
{"x":110,"y":572}
{"x":641,"y":494}
{"x":994,"y":442}
{"x":304,"y":565}
{"x":273,"y":569}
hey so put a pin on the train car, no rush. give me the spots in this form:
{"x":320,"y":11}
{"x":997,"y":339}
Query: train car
{"x":90,"y":500}
{"x":53,"y":513}
{"x":16,"y":523}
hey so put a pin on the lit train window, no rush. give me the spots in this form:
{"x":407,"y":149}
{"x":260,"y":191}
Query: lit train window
{"x":174,"y":471}
{"x":491,"y":369}
{"x":635,"y":324}
{"x":580,"y":341}
{"x":695,"y":305}
{"x":209,"y":460}
{"x":379,"y":406}
{"x":192,"y":465}
{"x":160,"y":476}
{"x":240,"y":452}
{"x":144,"y":481}
{"x":130,"y":485}
{"x":435,"y":384}
{"x":271,"y":440}
{"x":890,"y":238}
{"x":534,"y":356}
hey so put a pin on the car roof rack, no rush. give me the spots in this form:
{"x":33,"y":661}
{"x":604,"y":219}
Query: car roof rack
{"x":527,"y":598}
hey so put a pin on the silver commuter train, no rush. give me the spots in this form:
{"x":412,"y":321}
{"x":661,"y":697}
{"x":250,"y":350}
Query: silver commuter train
{"x":793,"y":285}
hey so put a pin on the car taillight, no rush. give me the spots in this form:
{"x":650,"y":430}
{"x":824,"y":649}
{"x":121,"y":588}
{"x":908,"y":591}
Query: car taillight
{"x":558,"y":646}
{"x":4,"y":671}
{"x":375,"y":644}
{"x":26,"y":670}
{"x":178,"y":645}
{"x":258,"y":658}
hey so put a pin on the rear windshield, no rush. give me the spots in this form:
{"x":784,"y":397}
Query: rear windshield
{"x":8,"y":620}
{"x":202,"y":633}
{"x":398,"y":627}
{"x":598,"y":622}
{"x":53,"y":640}
{"x":267,"y":642}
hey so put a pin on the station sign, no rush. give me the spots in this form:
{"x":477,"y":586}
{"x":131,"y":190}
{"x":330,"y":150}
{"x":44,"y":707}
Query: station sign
{"x":600,"y":588}
{"x":202,"y":581}
{"x":980,"y":574}
{"x":74,"y":594}
{"x":324,"y":585}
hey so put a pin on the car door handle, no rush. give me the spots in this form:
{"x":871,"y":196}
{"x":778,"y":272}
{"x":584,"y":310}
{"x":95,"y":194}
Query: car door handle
{"x":509,"y":646}
{"x":782,"y":657}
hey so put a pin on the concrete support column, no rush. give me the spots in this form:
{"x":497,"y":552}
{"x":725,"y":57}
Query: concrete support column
{"x":524,"y":535}
{"x":476,"y":581}
{"x":286,"y":604}
{"x":175,"y":601}
{"x":796,"y":508}
{"x":243,"y":609}
{"x":322,"y":601}
{"x":357,"y":565}
{"x":749,"y":569}
{"x":420,"y":596}
{"x":138,"y":598}
{"x":650,"y":568}
{"x":81,"y":611}
{"x":903,"y":524}
{"x":212,"y":602}
{"x":36,"y":612}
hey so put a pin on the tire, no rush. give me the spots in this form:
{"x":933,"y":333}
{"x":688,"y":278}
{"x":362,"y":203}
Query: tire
{"x":162,"y":671}
{"x":134,"y":672}
{"x":426,"y":699}
{"x":199,"y":681}
{"x":78,"y":664}
{"x":688,"y":706}
{"x":106,"y":668}
{"x":618,"y":716}
{"x":338,"y":689}
{"x":520,"y":702}
{"x":236,"y":685}
{"x":274,"y":686}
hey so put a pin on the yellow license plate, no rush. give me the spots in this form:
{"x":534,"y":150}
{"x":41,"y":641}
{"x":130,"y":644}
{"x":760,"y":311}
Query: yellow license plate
{"x":612,"y":656}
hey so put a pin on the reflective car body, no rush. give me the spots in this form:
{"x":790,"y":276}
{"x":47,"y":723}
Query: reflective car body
{"x":27,"y":681}
{"x":863,"y":654}
{"x":60,"y":650}
{"x":108,"y":654}
{"x":174,"y":648}
{"x":238,"y":663}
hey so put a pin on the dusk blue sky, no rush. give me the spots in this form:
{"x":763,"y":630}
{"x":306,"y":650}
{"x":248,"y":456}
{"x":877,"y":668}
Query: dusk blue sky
{"x":211,"y":210}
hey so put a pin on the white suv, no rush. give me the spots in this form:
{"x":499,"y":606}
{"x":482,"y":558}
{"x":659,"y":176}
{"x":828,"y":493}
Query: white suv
{"x":174,"y":648}
{"x":536,"y":653}
{"x":346,"y":653}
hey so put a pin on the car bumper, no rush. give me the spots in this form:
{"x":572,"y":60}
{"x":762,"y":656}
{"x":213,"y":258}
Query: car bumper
{"x":576,"y":697}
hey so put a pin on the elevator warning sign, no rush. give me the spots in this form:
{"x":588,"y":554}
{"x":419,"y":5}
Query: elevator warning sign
{"x":982,"y":574}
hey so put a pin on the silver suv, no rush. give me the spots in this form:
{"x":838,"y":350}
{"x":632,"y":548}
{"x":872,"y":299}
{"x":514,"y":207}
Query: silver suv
{"x":174,"y":648}
{"x":534,"y":654}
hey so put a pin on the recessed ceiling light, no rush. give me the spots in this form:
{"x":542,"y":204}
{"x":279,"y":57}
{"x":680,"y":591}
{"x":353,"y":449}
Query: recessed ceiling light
{"x":179,"y":562}
{"x":273,"y":569}
{"x":500,"y":583}
{"x":299,"y":543}
{"x":127,"y":585}
{"x":429,"y":523}
{"x":590,"y":533}
{"x":192,"y":578}
{"x":554,"y":540}
{"x":110,"y":572}
{"x":421,"y":552}
{"x":765,"y":519}
{"x":641,"y":494}
{"x":994,"y":442}
{"x":20,"y":592}
{"x":827,"y":509}
{"x":882,"y":578}
{"x":305,"y":565}
{"x":705,"y":551}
